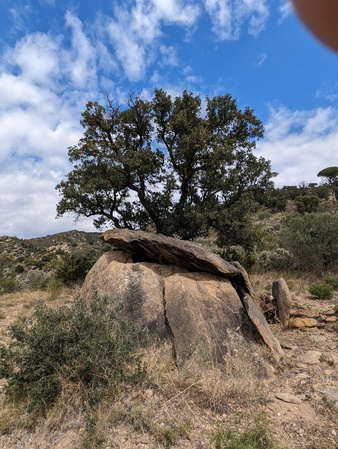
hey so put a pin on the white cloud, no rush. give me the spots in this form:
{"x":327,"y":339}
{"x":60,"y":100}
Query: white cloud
{"x":81,"y":60}
{"x":261,"y":58}
{"x":28,"y":207}
{"x":39,"y":119}
{"x":35,"y":57}
{"x":169,"y":56}
{"x":135,"y":31}
{"x":285,"y":9}
{"x":46,"y":79}
{"x":228,"y":17}
{"x":328,"y":91}
{"x":300,"y":143}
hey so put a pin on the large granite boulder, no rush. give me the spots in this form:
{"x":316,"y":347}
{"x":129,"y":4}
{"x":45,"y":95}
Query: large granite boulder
{"x":180,"y":291}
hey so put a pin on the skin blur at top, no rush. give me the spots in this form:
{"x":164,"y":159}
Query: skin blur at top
{"x":320,"y":17}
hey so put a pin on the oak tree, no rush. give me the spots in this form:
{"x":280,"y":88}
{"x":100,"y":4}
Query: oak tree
{"x":171,"y":164}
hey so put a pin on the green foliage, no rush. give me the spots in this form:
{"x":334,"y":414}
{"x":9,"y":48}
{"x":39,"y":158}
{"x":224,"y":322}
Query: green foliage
{"x":89,"y":346}
{"x":332,"y":281}
{"x":8,"y":284}
{"x":236,"y":225}
{"x":330,"y":175}
{"x":312,"y":240}
{"x":205,"y":163}
{"x":256,"y":436}
{"x":73,"y":268}
{"x":275,"y":199}
{"x":238,"y":254}
{"x":325,"y":289}
{"x":321,"y":291}
{"x":19,"y":269}
{"x":307,"y":203}
{"x":275,"y":259}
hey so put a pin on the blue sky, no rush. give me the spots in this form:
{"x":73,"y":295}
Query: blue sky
{"x":56,"y":55}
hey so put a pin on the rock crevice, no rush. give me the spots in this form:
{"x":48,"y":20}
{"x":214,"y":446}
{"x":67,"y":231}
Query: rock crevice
{"x":182,"y":292}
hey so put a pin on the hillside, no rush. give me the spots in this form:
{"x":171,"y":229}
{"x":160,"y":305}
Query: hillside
{"x":26,"y":263}
{"x":294,"y":408}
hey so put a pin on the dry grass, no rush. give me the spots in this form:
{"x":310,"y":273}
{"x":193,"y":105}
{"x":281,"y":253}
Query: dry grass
{"x":216,"y":388}
{"x":14,"y":415}
{"x":23,"y":298}
{"x":170,"y":405}
{"x":297,"y":283}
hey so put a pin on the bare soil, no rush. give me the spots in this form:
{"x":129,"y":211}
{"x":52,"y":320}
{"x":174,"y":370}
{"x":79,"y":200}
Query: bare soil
{"x":306,"y":418}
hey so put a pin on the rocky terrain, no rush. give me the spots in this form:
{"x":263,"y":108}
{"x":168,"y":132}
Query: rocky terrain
{"x":29,"y":263}
{"x":299,"y":397}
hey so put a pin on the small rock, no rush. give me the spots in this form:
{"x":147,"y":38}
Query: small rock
{"x":317,"y":338}
{"x":303,"y":322}
{"x":288,"y":397}
{"x":331,"y":319}
{"x":311,"y":357}
{"x":328,"y":312}
{"x":307,"y":313}
{"x":331,"y":393}
{"x":302,"y":376}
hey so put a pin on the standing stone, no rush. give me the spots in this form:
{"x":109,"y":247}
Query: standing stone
{"x":281,"y":294}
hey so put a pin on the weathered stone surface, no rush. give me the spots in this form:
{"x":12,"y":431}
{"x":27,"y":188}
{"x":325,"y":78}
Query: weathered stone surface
{"x":138,"y":285}
{"x":258,"y":319}
{"x":311,"y":357}
{"x":331,"y":319}
{"x":328,"y":312}
{"x":306,"y":313}
{"x":168,"y":250}
{"x":288,"y":397}
{"x":300,"y":323}
{"x":206,"y":318}
{"x":281,"y":293}
{"x":331,"y":393}
{"x":182,"y":292}
{"x":317,"y":338}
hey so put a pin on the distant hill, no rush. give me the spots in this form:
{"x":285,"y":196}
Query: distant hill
{"x":30,"y":261}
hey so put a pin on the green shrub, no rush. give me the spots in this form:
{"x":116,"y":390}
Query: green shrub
{"x":53,"y":287}
{"x":257,"y":436}
{"x":276,"y":259}
{"x":19,"y":269}
{"x":321,"y":291}
{"x":307,"y":203}
{"x":73,"y":268}
{"x":312,"y":239}
{"x":8,"y":284}
{"x":89,"y":346}
{"x":332,"y":281}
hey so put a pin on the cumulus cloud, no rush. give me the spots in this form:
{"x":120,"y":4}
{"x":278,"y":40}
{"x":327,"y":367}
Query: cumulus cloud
{"x":35,"y":58}
{"x":26,"y":208}
{"x":39,"y":120}
{"x":229,"y":16}
{"x":46,"y":79}
{"x":134,"y":32}
{"x":81,"y":59}
{"x":300,"y":143}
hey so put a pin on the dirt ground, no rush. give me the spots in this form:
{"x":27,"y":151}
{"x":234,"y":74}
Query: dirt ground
{"x":308,"y":372}
{"x":300,"y":395}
